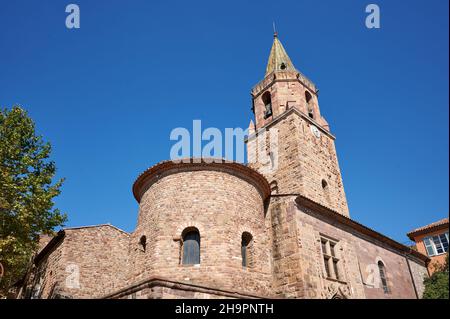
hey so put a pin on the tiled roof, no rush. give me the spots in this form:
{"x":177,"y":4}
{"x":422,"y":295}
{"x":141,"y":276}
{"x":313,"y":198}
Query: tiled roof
{"x":428,"y":227}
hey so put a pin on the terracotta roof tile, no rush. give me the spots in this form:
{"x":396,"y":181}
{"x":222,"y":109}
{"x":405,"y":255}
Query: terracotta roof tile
{"x":416,"y":231}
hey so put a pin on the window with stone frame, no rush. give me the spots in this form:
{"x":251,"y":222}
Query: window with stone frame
{"x":331,"y":258}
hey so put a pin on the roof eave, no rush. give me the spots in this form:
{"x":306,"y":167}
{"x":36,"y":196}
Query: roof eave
{"x":360,"y":228}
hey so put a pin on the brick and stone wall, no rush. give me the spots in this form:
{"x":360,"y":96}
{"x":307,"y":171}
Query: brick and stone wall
{"x":419,"y":273}
{"x":46,"y":276}
{"x":303,"y":161}
{"x":287,"y":90}
{"x":287,"y":263}
{"x":87,"y":262}
{"x":358,"y":257}
{"x":221,"y":204}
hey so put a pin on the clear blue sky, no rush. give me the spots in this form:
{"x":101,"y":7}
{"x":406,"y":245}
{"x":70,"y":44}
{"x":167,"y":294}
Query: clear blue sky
{"x":108,"y":94}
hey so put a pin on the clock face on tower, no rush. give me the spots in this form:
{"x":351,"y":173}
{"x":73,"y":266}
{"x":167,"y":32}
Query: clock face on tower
{"x":315,"y":131}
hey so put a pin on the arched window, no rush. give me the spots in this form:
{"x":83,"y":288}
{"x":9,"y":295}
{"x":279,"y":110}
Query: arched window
{"x":191,"y":247}
{"x":267,"y":100}
{"x":383,"y":279}
{"x":246,"y":249}
{"x":308,"y":98}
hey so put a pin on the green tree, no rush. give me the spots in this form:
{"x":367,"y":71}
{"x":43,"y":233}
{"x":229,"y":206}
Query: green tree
{"x":26,"y":193}
{"x":436,"y":286}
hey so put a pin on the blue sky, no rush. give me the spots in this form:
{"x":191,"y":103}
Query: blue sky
{"x":107,"y":95}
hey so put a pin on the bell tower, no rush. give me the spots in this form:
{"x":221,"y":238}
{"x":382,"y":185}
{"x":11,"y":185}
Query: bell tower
{"x":302,"y":160}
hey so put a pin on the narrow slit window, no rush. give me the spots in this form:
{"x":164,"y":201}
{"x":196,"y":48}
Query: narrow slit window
{"x":246,"y":249}
{"x":143,"y":242}
{"x":383,"y":278}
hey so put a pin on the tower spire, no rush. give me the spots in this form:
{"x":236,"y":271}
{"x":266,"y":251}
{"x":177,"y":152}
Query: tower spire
{"x":278,"y":58}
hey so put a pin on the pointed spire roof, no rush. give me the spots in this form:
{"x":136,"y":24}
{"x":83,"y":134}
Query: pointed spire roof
{"x":278,"y":59}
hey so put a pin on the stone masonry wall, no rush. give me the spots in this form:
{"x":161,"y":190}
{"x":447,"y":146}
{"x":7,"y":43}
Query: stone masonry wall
{"x":88,"y":263}
{"x":46,"y":276}
{"x":302,"y":161}
{"x":358,"y":255}
{"x":419,"y":273}
{"x":221,"y":206}
{"x":287,"y":91}
{"x":288,"y":280}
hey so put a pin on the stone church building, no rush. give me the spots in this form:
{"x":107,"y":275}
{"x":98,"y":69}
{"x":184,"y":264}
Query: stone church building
{"x":209,"y":229}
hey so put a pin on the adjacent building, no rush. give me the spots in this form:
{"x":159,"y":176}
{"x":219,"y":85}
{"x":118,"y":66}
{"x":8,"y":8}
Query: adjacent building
{"x":432,"y":240}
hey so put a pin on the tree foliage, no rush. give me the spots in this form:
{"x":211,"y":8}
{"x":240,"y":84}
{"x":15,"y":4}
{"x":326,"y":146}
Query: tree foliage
{"x":27,"y":191}
{"x":436,"y":286}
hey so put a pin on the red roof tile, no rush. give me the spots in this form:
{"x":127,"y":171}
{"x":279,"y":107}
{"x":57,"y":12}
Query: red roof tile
{"x":428,"y":227}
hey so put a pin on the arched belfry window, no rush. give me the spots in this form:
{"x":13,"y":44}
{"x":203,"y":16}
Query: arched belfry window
{"x":308,"y":98}
{"x":383,"y":279}
{"x":191,"y":247}
{"x":267,"y":100}
{"x":246,"y":249}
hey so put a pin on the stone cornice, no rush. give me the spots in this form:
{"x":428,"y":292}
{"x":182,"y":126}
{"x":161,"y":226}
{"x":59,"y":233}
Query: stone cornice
{"x":270,"y":79}
{"x":287,"y":113}
{"x":162,"y":282}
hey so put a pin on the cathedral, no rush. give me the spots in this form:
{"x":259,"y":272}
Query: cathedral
{"x":222,"y":229}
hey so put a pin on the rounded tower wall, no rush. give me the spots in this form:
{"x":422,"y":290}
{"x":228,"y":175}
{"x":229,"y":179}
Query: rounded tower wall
{"x":221,"y":202}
